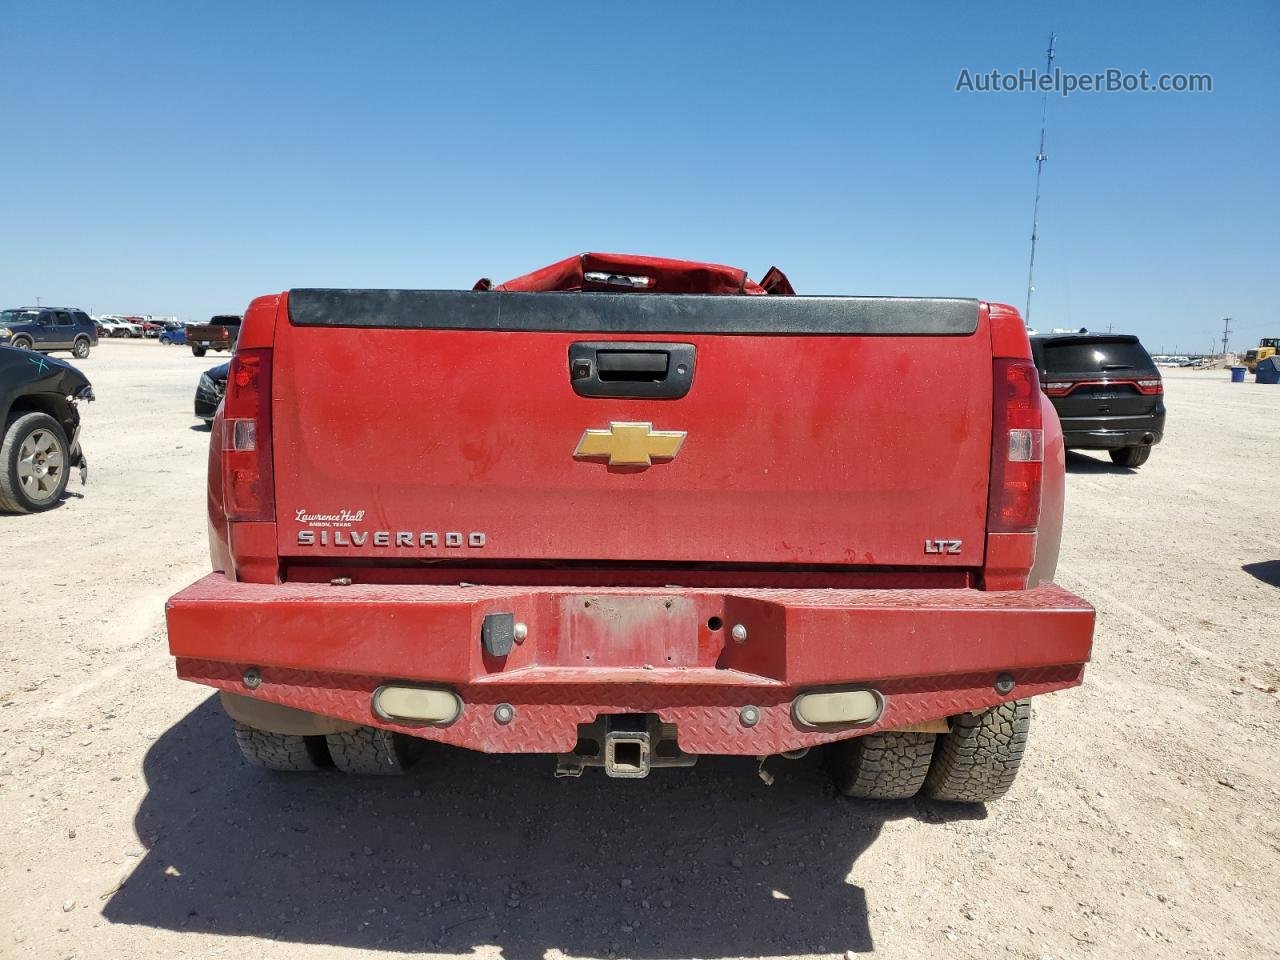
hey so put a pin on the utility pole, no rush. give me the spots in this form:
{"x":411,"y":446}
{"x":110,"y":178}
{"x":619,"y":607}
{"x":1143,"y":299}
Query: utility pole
{"x":1035,"y":209}
{"x":1108,"y":328}
{"x":37,"y":301}
{"x":1226,"y":332}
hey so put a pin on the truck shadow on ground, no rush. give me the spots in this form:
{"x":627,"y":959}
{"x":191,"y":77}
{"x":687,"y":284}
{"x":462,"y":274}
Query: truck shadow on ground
{"x":1268,"y":571}
{"x":1078,"y":462}
{"x":470,"y":850}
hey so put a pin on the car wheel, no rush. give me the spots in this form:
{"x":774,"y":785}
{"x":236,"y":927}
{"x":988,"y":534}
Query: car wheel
{"x":80,"y":349}
{"x":34,"y":464}
{"x":373,"y":752}
{"x":1130,"y":456}
{"x":21,"y":343}
{"x":286,"y":752}
{"x":979,"y":759}
{"x":881,"y":766}
{"x":198,"y":351}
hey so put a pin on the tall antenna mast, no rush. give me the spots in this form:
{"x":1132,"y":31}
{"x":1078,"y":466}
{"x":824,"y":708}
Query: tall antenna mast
{"x":1035,"y":210}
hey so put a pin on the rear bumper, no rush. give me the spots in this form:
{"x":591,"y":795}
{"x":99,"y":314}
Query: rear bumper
{"x":671,"y":652}
{"x":1112,"y":433}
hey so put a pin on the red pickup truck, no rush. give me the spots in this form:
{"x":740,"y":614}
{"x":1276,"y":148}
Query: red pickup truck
{"x":627,"y":511}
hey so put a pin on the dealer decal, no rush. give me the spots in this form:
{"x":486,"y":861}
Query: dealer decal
{"x":343,"y":518}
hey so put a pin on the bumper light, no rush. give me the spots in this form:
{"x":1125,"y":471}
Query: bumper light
{"x":417,"y":705}
{"x":838,"y":707}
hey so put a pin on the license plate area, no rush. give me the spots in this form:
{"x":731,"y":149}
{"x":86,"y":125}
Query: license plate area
{"x":620,"y":631}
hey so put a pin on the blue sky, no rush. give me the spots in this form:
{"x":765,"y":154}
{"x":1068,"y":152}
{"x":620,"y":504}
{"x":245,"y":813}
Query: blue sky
{"x":183,"y":158}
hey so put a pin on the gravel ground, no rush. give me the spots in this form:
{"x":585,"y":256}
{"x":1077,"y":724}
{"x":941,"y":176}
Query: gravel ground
{"x":1144,"y":822}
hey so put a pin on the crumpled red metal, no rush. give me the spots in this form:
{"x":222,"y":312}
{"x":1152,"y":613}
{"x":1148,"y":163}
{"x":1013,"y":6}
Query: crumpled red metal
{"x":666,"y":275}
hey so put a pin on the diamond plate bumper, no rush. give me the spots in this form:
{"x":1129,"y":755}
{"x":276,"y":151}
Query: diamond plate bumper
{"x":931,"y":653}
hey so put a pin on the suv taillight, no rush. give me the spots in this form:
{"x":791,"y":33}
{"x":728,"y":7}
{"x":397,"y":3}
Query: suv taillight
{"x":248,"y":484}
{"x":1150,"y":388}
{"x":1017,"y":448}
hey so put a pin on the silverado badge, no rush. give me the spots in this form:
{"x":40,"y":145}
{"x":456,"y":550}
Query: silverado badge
{"x":630,"y":444}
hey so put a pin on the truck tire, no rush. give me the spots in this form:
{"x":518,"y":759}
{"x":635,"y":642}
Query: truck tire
{"x":80,"y":349}
{"x":21,"y":343}
{"x":881,"y":766}
{"x":280,"y":751}
{"x":368,"y":751}
{"x":978,"y":760}
{"x":198,"y":351}
{"x":1130,"y":456}
{"x":34,"y":464}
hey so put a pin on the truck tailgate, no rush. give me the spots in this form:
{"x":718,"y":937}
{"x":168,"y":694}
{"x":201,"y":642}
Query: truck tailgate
{"x":428,"y":425}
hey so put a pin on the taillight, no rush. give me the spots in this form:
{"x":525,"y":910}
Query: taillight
{"x":1150,"y":388}
{"x":248,"y":484}
{"x":1017,"y":448}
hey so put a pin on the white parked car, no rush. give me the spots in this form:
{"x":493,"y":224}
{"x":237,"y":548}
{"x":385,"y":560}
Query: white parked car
{"x":115,"y":327}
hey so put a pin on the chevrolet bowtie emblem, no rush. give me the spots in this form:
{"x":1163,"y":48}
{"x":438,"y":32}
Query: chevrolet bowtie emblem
{"x":630,"y":444}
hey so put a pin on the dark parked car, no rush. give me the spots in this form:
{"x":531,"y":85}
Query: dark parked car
{"x":41,"y":429}
{"x":48,"y":328}
{"x":209,"y":391}
{"x":1107,"y":391}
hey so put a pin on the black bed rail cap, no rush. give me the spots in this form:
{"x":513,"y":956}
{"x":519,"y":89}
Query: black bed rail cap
{"x":632,"y":312}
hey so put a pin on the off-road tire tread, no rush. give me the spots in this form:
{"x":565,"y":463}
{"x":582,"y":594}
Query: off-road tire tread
{"x":370,"y":751}
{"x":881,"y":766}
{"x":11,"y":499}
{"x":978,"y":760}
{"x":281,"y":751}
{"x":1131,"y":457}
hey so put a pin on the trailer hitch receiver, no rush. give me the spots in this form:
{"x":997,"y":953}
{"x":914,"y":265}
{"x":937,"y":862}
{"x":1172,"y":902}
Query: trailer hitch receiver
{"x":626,"y":745}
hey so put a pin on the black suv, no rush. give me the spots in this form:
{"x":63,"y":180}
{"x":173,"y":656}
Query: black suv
{"x":47,"y":329}
{"x":1107,"y":391}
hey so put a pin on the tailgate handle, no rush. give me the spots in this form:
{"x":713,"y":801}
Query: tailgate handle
{"x":611,"y":368}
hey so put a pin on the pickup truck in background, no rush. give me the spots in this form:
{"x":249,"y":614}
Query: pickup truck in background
{"x":627,"y":511}
{"x":219,"y":333}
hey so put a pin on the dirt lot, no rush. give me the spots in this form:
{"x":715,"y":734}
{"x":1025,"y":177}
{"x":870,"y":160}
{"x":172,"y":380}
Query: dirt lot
{"x":1145,"y":822}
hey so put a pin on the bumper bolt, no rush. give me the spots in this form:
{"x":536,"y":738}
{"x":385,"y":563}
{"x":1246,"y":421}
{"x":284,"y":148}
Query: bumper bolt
{"x":749,"y":716}
{"x":504,"y":713}
{"x":739,"y":633}
{"x":1004,"y":684}
{"x":520,"y":632}
{"x":252,"y":678}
